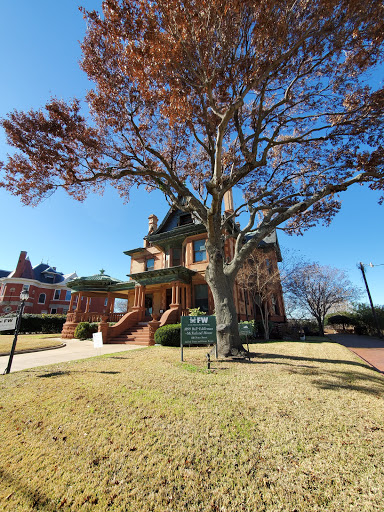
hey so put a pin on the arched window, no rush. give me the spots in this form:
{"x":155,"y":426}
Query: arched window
{"x":41,"y":298}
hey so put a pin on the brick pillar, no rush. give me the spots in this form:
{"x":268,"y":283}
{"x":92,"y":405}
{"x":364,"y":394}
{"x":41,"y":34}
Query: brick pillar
{"x":153,"y":326}
{"x":103,"y":328}
{"x":71,"y":302}
{"x":87,"y":304}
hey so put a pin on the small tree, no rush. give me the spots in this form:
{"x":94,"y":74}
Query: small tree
{"x":260,"y":280}
{"x":364,"y":321}
{"x":318,"y":289}
{"x":340,"y":320}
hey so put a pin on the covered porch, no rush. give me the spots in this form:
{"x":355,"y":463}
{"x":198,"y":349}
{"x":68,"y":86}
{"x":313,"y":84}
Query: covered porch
{"x":154,"y":298}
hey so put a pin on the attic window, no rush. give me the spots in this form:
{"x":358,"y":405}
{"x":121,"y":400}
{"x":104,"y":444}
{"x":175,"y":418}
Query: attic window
{"x":185,"y":218}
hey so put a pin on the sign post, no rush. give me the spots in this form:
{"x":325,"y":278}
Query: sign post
{"x":246,"y":330}
{"x":198,"y":330}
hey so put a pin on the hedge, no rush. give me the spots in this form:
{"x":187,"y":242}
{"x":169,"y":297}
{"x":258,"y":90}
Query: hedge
{"x":168,"y":335}
{"x":47,"y":324}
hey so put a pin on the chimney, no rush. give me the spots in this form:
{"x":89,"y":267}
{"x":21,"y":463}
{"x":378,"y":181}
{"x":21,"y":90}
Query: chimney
{"x":152,"y":224}
{"x":20,"y":264}
{"x":228,"y":202}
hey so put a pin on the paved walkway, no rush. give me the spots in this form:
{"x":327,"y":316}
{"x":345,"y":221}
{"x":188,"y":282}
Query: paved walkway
{"x":73,"y":350}
{"x":369,"y":349}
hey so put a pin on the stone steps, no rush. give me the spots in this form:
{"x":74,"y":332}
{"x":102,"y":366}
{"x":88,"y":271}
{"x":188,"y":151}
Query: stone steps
{"x":137,"y":335}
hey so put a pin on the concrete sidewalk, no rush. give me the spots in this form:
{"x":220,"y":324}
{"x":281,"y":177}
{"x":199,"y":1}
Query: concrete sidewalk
{"x":73,"y":350}
{"x":368,"y":348}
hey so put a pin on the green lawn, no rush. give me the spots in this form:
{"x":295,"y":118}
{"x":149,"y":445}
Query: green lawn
{"x":299,"y":428}
{"x":28,"y":342}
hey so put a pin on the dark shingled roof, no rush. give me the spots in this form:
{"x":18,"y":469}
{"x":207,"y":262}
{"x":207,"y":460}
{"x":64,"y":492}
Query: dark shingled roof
{"x":46,"y":274}
{"x":4,"y":273}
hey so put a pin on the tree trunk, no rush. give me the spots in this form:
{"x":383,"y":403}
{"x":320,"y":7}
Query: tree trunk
{"x":264,"y":319}
{"x":320,"y":323}
{"x":228,"y":338}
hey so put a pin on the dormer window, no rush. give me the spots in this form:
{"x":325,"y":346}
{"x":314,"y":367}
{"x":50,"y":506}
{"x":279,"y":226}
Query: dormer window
{"x":150,"y":264}
{"x":185,"y":218}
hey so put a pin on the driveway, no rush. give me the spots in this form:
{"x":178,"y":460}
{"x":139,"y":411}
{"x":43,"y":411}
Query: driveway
{"x":73,"y":350}
{"x":369,"y":349}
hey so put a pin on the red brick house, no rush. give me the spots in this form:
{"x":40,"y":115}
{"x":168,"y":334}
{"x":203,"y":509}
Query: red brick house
{"x":47,"y":288}
{"x":166,"y":279}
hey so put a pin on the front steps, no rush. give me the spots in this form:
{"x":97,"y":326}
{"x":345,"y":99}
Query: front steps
{"x":137,"y":335}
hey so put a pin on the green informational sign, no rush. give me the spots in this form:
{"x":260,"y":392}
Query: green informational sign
{"x":197,"y":330}
{"x":245,"y":329}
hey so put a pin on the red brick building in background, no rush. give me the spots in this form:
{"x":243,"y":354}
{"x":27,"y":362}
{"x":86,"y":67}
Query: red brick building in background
{"x":47,"y":288}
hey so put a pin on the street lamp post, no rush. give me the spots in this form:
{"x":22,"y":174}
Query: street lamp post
{"x":23,"y":297}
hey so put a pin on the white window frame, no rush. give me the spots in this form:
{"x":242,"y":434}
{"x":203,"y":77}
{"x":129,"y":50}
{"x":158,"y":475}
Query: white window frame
{"x":54,"y":295}
{"x":45,"y":298}
{"x":53,"y":313}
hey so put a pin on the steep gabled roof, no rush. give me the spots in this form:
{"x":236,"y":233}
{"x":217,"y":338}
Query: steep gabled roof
{"x":175,"y":227}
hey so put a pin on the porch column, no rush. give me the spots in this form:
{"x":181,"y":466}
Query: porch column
{"x":112,"y":304}
{"x":109,"y":302}
{"x":188,"y":296}
{"x":163,"y":299}
{"x":142,"y":297}
{"x":183,"y":290}
{"x":87,"y":304}
{"x":176,"y":294}
{"x":136,"y":299}
{"x":71,"y":302}
{"x":78,"y":307}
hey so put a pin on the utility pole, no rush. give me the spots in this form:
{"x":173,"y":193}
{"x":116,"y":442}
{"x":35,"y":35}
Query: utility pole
{"x":361,"y":267}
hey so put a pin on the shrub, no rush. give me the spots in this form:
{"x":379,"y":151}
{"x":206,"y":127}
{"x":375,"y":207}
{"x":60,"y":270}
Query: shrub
{"x":197,"y":312}
{"x":83,"y":331}
{"x":168,"y":335}
{"x":93,"y":327}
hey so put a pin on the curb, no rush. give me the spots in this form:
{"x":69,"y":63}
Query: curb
{"x":30,"y":350}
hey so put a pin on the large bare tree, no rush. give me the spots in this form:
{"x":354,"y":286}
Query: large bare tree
{"x":197,"y":97}
{"x":319,"y":289}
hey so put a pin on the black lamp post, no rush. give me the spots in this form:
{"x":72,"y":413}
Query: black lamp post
{"x":23,"y":297}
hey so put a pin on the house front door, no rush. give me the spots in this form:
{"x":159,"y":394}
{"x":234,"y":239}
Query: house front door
{"x":148,"y":305}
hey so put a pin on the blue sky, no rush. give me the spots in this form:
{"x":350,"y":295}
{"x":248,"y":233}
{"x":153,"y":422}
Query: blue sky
{"x":39,"y":49}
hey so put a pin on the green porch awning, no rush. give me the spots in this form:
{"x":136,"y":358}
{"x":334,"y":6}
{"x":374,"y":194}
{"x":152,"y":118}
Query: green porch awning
{"x":163,"y":275}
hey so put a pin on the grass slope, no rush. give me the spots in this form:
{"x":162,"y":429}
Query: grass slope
{"x":299,"y":428}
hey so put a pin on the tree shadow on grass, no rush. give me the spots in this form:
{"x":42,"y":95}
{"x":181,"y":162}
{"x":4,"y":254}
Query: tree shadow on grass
{"x":271,"y":357}
{"x":37,"y":500}
{"x":371,"y":383}
{"x":69,"y":372}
